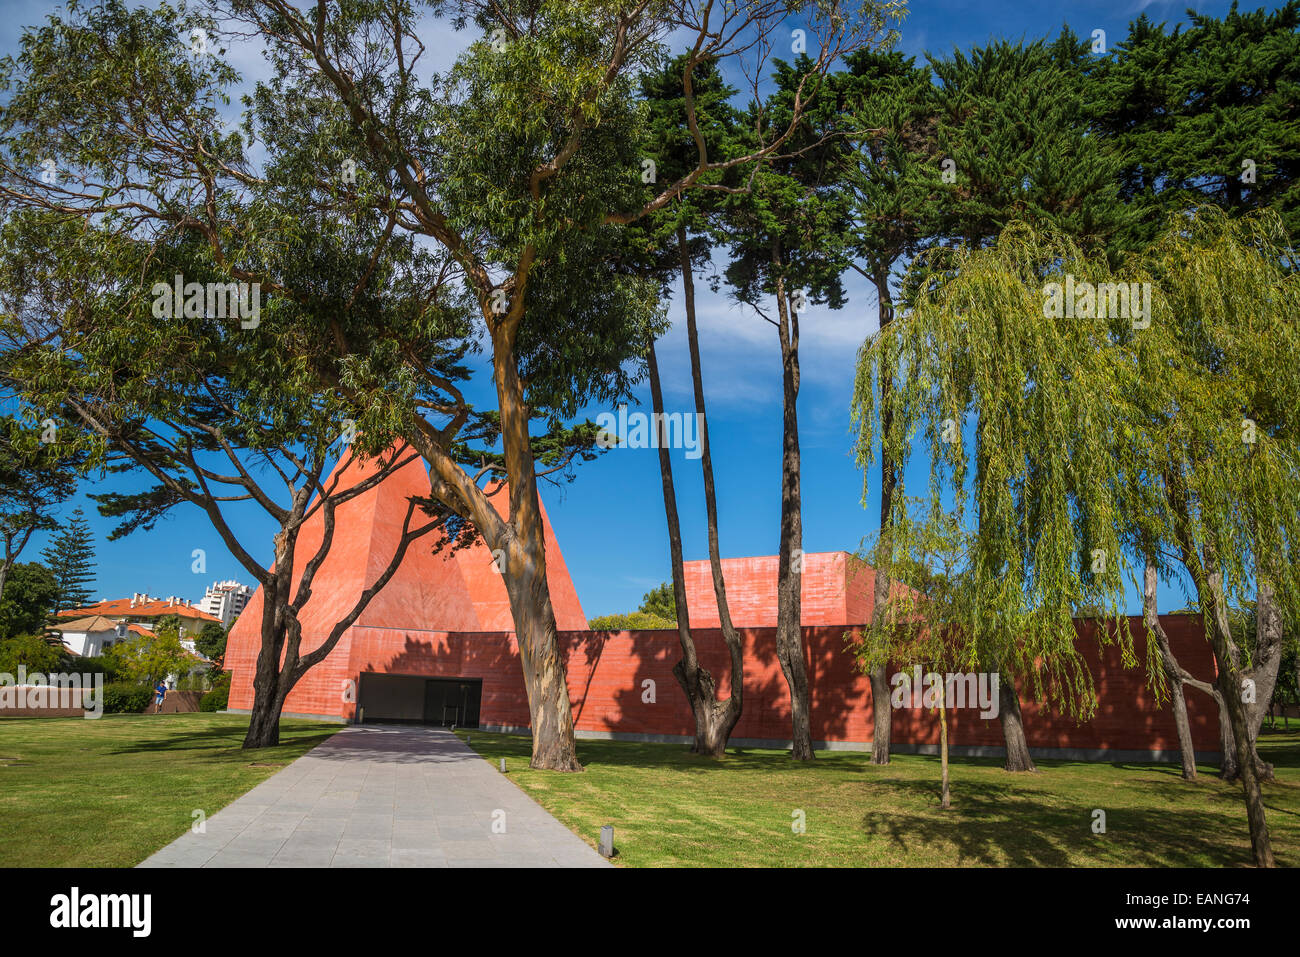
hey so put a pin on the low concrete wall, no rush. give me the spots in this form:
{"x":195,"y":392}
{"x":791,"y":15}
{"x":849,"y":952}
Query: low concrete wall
{"x":38,"y":701}
{"x":179,"y":702}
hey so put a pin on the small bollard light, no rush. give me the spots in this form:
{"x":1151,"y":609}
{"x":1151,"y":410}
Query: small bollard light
{"x":467,"y":739}
{"x":607,"y":841}
{"x":503,"y":765}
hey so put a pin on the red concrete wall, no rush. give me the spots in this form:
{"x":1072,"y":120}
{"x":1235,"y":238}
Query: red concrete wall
{"x":606,"y":675}
{"x":836,"y":588}
{"x":447,"y":614}
{"x":607,"y":672}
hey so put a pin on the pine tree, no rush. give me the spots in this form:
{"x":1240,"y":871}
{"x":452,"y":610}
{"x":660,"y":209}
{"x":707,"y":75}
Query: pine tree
{"x":71,"y":557}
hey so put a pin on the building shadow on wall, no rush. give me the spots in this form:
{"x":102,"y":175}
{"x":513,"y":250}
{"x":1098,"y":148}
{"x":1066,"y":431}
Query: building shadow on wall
{"x":416,"y":658}
{"x":627,"y":685}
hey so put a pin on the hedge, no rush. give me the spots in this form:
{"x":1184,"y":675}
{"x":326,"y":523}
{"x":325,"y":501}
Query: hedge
{"x":122,"y":697}
{"x":219,"y":697}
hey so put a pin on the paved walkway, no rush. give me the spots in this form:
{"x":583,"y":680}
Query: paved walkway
{"x":383,"y":796}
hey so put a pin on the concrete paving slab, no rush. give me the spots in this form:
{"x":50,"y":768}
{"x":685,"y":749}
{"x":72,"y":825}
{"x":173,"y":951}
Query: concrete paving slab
{"x":382,"y":796}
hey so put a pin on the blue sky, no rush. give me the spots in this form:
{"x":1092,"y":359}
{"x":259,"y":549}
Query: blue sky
{"x":609,"y":520}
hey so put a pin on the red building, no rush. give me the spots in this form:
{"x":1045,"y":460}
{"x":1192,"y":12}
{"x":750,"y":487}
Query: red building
{"x":436,"y":645}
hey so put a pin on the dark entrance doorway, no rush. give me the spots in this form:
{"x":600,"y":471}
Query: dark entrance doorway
{"x":417,"y":699}
{"x":449,"y":701}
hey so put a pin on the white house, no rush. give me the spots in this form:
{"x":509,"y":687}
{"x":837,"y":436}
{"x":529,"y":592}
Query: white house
{"x":93,"y":635}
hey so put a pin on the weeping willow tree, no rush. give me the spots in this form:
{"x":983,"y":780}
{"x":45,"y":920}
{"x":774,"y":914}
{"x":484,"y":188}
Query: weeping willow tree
{"x":1214,"y":467}
{"x":1076,"y":417}
{"x":1012,"y":411}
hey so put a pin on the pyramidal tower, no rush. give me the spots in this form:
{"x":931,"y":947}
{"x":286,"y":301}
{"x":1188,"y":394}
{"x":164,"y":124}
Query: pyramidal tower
{"x":426,"y":615}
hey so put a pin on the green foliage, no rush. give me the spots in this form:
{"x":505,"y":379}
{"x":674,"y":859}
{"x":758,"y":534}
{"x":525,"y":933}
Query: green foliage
{"x":1014,"y":119}
{"x":127,"y":697}
{"x":211,"y":641}
{"x":790,"y":227}
{"x":632,"y":621}
{"x":35,"y":477}
{"x":170,"y":624}
{"x":218,"y":699}
{"x":891,"y":168}
{"x":70,"y":556}
{"x":151,"y":657}
{"x":29,"y":592}
{"x":660,"y":602}
{"x":1071,"y":442}
{"x":1188,"y":107}
{"x":196,"y":681}
{"x":32,"y":652}
{"x":96,"y":664}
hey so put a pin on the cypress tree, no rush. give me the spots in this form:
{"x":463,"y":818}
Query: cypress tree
{"x":1205,"y":115}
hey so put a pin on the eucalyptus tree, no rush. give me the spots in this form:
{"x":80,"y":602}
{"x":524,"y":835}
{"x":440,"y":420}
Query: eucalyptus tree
{"x":521,"y":164}
{"x":1099,"y":435}
{"x":785,"y":237}
{"x":517,"y":164}
{"x":888,"y":110}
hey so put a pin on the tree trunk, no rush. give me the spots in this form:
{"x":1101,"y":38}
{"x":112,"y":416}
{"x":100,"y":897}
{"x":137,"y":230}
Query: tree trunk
{"x":882,"y":713}
{"x":1229,"y":684}
{"x":789,"y":631}
{"x":1173,"y":671}
{"x":1228,"y":768}
{"x":943,"y":743}
{"x":1186,"y":749}
{"x":1264,"y":668}
{"x":264,"y":721}
{"x":1210,"y":598}
{"x":1013,"y":727}
{"x":1263,"y":675}
{"x":267,"y":700}
{"x":714,"y":719}
{"x":545,"y":674}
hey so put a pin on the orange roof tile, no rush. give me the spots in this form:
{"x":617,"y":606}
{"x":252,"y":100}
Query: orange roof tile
{"x":144,"y":609}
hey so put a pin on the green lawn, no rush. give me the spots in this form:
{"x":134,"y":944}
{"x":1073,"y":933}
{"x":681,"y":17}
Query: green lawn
{"x":110,"y":792}
{"x":670,"y":808}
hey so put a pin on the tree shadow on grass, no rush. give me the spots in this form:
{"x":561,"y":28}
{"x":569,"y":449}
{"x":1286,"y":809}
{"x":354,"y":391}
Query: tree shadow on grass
{"x":205,"y":739}
{"x":1004,"y":825}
